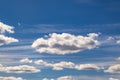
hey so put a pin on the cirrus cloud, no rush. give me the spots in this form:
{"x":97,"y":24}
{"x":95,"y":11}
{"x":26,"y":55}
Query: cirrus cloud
{"x":65,"y":43}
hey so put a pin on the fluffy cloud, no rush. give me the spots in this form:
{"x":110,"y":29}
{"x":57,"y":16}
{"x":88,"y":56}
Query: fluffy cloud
{"x":19,"y":69}
{"x":41,"y":62}
{"x":65,"y":43}
{"x":10,"y":78}
{"x":4,"y":39}
{"x":87,"y":67}
{"x":26,"y":60}
{"x":113,"y":69}
{"x":113,"y":79}
{"x":63,"y":64}
{"x":56,"y":66}
{"x":6,"y":28}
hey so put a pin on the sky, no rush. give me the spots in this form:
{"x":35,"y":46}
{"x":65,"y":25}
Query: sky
{"x":59,"y":40}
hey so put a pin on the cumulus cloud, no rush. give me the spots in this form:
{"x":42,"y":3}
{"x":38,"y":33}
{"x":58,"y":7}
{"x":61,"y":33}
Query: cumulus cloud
{"x":19,"y":69}
{"x":113,"y":69}
{"x":4,"y":39}
{"x":41,"y":62}
{"x":63,"y":64}
{"x":56,"y":66}
{"x":65,"y":43}
{"x":113,"y":79}
{"x":87,"y":67}
{"x":26,"y":60}
{"x":6,"y":28}
{"x":10,"y":78}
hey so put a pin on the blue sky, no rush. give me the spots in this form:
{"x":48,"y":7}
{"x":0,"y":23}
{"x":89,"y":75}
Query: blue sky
{"x":59,"y":39}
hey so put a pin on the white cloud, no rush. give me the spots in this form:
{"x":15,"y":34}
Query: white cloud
{"x":6,"y":40}
{"x":80,"y":77}
{"x":87,"y":67}
{"x":113,"y":69}
{"x":26,"y":60}
{"x":63,"y":64}
{"x":60,"y":78}
{"x":48,"y":79}
{"x":6,"y":28}
{"x":45,"y":79}
{"x":19,"y":69}
{"x":113,"y":79}
{"x":56,"y":66}
{"x":118,"y":41}
{"x":65,"y":78}
{"x":41,"y":62}
{"x":65,"y":43}
{"x":10,"y":78}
